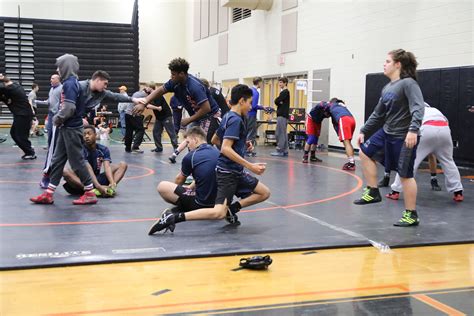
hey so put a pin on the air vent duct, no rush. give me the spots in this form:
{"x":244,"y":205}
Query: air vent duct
{"x":248,"y":4}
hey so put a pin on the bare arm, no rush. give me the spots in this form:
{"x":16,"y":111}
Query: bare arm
{"x":159,"y":92}
{"x":215,"y":140}
{"x":108,"y":173}
{"x":203,"y":110}
{"x":227,"y":151}
{"x":180,"y":179}
{"x":96,"y":183}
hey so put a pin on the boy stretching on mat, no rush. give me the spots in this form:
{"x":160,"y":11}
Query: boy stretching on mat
{"x":96,"y":156}
{"x":230,"y":174}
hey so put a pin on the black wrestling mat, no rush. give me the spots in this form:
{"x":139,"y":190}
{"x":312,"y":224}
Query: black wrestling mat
{"x":310,"y":208}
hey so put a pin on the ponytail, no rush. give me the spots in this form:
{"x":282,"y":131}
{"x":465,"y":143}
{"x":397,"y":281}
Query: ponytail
{"x":407,"y":61}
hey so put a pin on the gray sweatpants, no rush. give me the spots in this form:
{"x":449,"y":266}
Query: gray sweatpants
{"x":436,"y":140}
{"x":281,"y":134}
{"x":252,"y":129}
{"x":69,"y":148}
{"x":168,"y":125}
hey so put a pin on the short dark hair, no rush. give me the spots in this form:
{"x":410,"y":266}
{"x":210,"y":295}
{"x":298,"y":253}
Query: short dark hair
{"x":102,"y":74}
{"x":205,"y":82}
{"x":238,"y":92}
{"x":91,"y":127}
{"x":195,"y":131}
{"x":256,"y":80}
{"x":336,"y":100}
{"x":34,"y":86}
{"x":179,"y":65}
{"x":283,"y":79}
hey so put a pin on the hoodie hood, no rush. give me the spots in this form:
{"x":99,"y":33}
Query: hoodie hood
{"x":68,"y":66}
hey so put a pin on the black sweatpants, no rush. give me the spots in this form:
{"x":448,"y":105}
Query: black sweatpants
{"x":20,"y":131}
{"x":133,"y":124}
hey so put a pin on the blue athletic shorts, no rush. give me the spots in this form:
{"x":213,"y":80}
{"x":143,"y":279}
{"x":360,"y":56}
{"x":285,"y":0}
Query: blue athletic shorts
{"x":391,"y":152}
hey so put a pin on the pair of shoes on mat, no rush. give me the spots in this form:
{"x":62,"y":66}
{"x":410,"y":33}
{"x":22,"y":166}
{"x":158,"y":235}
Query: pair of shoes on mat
{"x":47,"y":198}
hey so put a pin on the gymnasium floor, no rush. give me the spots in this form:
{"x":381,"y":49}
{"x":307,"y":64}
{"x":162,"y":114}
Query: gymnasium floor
{"x":330,"y":256}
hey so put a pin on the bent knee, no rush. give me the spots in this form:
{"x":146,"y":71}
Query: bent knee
{"x":123,"y":165}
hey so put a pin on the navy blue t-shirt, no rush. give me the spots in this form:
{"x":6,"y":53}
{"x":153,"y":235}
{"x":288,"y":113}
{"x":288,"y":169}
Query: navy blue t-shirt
{"x":201,"y":163}
{"x":192,"y":95}
{"x":71,"y":94}
{"x":232,"y":127}
{"x":96,"y":157}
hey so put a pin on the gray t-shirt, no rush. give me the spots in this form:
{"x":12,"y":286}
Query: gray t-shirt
{"x":400,"y":109}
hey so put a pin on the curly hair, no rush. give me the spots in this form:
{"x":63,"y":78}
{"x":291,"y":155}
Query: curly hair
{"x":178,"y":65}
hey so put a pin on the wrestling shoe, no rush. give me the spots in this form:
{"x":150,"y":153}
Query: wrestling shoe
{"x":231,"y":217}
{"x":316,"y":159}
{"x":394,"y":195}
{"x":370,"y":195}
{"x":434,"y":185}
{"x":88,"y":197}
{"x":166,"y":221}
{"x":305,"y":159}
{"x":44,"y":198}
{"x":349,"y":166}
{"x":409,"y":218}
{"x":458,"y":197}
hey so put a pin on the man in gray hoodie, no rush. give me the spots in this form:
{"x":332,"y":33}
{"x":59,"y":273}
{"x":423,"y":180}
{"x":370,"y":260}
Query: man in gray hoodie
{"x":69,"y":126}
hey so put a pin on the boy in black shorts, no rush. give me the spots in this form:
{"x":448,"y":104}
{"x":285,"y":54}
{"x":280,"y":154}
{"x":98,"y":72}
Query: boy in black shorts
{"x":230,"y":175}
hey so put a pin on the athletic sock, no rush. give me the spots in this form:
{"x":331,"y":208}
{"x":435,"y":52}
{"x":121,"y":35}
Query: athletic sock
{"x":235,"y":207}
{"x":433,"y":175}
{"x":51,"y":188}
{"x":180,"y":217}
{"x":351,"y":159}
{"x":88,"y":187}
{"x":458,"y":192}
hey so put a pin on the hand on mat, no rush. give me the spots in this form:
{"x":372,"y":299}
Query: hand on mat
{"x":411,"y":139}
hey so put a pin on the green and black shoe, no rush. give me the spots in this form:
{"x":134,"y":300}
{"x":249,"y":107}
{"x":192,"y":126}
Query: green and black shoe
{"x":409,"y":218}
{"x":370,"y":195}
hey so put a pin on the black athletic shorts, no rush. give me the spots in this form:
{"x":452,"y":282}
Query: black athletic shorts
{"x":230,"y":184}
{"x":187,"y":199}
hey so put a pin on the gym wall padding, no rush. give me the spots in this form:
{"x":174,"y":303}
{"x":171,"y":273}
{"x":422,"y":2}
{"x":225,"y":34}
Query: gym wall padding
{"x":106,"y":46}
{"x":450,"y":90}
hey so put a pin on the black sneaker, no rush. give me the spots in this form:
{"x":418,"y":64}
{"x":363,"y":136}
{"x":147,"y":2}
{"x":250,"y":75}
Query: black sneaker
{"x":434,"y":185}
{"x":166,"y":220}
{"x":384,"y":182}
{"x":231,"y":217}
{"x":409,"y":218}
{"x":172,"y":158}
{"x":370,"y":195}
{"x":315,"y":159}
{"x":29,"y":157}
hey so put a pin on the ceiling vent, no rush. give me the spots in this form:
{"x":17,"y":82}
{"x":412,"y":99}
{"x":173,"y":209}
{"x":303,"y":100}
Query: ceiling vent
{"x":248,"y":4}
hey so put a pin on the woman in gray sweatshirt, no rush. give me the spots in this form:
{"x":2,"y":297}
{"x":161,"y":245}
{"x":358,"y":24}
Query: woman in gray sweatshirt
{"x":394,"y":126}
